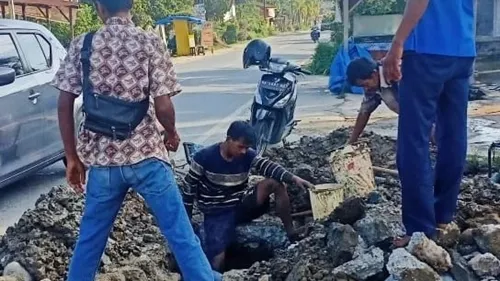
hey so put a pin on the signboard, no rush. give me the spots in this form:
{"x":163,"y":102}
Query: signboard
{"x":207,"y":34}
{"x":192,"y":42}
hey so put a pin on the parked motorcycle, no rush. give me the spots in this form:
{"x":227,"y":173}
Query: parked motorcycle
{"x":273,"y":108}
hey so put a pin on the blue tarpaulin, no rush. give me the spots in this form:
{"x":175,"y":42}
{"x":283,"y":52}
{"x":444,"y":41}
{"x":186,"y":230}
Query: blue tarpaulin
{"x":338,"y":79}
{"x":170,"y":19}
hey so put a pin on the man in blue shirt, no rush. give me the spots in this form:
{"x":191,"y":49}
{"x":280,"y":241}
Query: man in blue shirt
{"x":436,"y":44}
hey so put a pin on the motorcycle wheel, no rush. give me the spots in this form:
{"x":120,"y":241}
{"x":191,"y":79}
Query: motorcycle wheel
{"x":262,"y":132}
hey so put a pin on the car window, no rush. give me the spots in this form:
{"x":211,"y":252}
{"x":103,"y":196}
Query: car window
{"x":33,"y":51}
{"x":46,"y":48}
{"x":9,"y":57}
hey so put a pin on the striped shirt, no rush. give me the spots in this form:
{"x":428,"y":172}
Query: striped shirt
{"x":217,"y":184}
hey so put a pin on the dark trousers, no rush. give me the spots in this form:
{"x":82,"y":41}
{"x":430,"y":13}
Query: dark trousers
{"x":433,"y":87}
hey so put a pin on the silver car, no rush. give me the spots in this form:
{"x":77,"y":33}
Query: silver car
{"x":30,"y":56}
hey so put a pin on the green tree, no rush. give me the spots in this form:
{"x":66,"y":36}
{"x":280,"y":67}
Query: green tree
{"x":298,"y":12}
{"x":140,"y":13}
{"x":87,"y":20}
{"x":216,"y":9}
{"x":380,"y":7}
{"x":159,"y":9}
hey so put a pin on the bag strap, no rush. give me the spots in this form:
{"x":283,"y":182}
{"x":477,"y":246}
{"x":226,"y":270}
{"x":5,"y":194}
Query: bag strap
{"x":85,"y":54}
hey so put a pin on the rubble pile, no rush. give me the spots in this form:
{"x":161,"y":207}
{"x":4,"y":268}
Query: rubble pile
{"x":353,"y":243}
{"x":350,"y":248}
{"x":43,"y":239}
{"x":308,"y":159}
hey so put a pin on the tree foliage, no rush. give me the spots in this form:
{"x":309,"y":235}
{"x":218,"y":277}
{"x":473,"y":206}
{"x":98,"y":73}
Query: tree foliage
{"x":380,"y":7}
{"x":86,"y":20}
{"x":299,"y":13}
{"x":216,"y":9}
{"x":144,"y":14}
{"x":159,"y":9}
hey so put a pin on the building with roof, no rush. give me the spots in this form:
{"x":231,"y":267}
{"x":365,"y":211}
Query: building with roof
{"x":49,"y":10}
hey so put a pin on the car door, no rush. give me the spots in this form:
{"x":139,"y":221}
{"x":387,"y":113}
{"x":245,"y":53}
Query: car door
{"x":21,"y":118}
{"x":39,"y":53}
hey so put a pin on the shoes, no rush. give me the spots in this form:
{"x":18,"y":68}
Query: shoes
{"x":446,"y":236}
{"x":401,"y":242}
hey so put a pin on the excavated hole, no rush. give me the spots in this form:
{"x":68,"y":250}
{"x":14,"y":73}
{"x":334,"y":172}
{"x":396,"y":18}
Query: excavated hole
{"x":243,"y":257}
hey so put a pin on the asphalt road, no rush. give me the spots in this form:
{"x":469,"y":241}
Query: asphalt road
{"x":216,"y":91}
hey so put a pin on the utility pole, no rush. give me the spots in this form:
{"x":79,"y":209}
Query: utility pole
{"x":345,"y":20}
{"x":12,"y":10}
{"x":265,"y":10}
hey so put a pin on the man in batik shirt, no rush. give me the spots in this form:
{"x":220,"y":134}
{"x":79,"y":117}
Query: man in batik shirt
{"x":130,"y":64}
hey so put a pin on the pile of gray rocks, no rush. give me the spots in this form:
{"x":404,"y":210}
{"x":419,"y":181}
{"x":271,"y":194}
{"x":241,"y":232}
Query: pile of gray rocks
{"x":40,"y":245}
{"x":353,"y":243}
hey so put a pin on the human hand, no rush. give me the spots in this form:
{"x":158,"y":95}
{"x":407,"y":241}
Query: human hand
{"x":302,"y":183}
{"x":392,"y":62}
{"x":172,"y":141}
{"x":75,"y":174}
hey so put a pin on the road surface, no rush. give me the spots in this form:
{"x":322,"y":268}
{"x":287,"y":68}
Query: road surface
{"x":216,"y":91}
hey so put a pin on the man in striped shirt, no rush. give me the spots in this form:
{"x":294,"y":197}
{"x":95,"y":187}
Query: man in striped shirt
{"x":218,"y":180}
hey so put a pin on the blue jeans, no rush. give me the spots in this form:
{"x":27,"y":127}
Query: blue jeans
{"x":433,"y":88}
{"x":155,"y":182}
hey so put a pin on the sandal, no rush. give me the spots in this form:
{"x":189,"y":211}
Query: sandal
{"x":401,"y":242}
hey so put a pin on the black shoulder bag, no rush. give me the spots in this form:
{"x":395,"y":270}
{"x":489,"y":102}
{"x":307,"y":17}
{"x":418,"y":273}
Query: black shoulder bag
{"x":104,"y":114}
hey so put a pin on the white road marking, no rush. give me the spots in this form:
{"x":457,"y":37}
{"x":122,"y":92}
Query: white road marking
{"x":224,"y":122}
{"x":219,"y":128}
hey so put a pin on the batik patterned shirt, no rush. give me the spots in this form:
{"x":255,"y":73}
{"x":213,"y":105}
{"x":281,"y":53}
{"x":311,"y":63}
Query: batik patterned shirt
{"x":131,"y":64}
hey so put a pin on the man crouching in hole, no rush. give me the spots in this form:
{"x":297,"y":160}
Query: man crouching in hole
{"x":218,"y":180}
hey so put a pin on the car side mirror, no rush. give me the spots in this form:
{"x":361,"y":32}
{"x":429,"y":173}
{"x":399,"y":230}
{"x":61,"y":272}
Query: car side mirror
{"x":7,"y":75}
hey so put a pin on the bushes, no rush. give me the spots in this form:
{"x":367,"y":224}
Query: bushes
{"x":323,"y":58}
{"x":231,"y":34}
{"x":337,"y":32}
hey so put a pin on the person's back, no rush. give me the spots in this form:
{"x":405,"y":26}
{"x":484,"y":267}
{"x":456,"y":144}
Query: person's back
{"x":446,"y":28}
{"x":122,"y":56}
{"x":121,"y":68}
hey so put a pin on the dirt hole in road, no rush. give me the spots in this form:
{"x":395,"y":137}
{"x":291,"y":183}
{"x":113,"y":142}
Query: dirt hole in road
{"x":243,"y":257}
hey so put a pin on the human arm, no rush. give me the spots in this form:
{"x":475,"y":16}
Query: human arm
{"x":359,"y":127}
{"x":193,"y":181}
{"x":270,"y":169}
{"x":75,"y":170}
{"x":68,"y":80}
{"x":414,"y":11}
{"x":163,"y":85}
{"x":165,"y":112}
